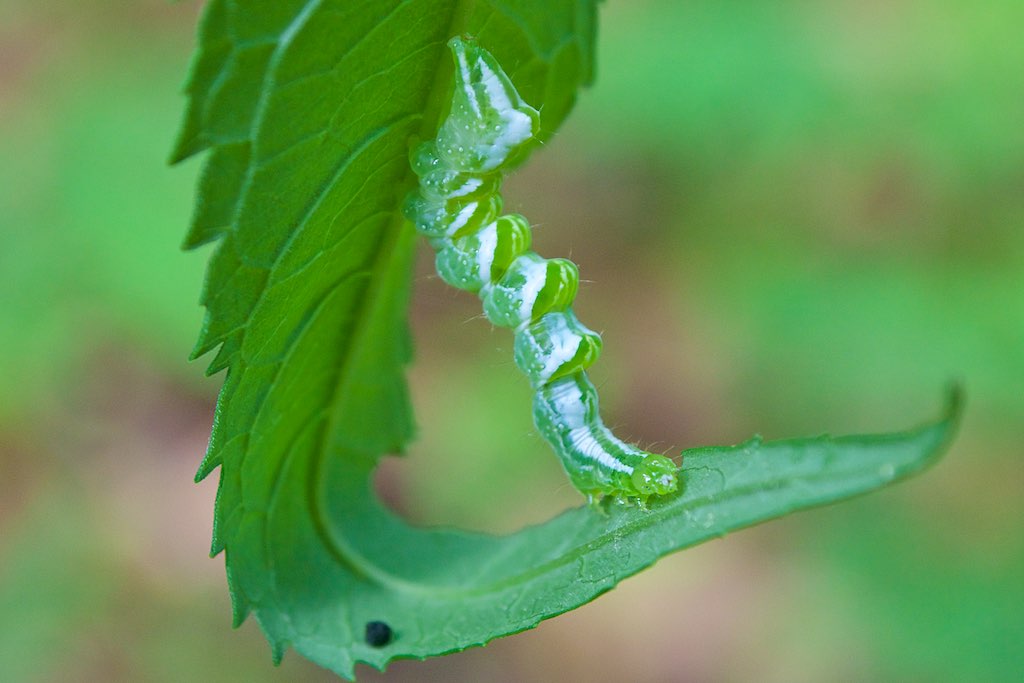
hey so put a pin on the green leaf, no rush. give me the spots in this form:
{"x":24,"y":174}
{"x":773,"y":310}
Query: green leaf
{"x":447,"y":590}
{"x":308,"y":109}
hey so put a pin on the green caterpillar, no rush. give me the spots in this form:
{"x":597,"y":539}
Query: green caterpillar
{"x":457,"y":208}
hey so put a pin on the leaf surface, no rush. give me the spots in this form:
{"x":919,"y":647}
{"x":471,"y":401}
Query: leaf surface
{"x":308,"y":109}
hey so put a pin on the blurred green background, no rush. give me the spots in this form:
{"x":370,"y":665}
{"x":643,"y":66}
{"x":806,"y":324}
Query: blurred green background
{"x":793,"y":217}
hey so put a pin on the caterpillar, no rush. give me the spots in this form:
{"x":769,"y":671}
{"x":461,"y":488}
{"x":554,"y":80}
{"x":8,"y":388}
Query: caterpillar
{"x":457,"y":207}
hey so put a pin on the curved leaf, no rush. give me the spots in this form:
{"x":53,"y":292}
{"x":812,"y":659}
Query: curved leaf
{"x":447,"y":590}
{"x":308,"y":108}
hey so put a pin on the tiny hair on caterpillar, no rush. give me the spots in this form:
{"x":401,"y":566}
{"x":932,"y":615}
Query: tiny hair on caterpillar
{"x":458,"y":208}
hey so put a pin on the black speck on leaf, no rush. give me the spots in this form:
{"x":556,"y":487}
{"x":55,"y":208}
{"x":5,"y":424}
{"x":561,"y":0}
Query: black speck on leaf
{"x":378,"y":634}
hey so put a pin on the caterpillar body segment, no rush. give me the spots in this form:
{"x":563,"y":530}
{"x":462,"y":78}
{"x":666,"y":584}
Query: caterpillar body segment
{"x":566,"y":414}
{"x":480,"y":258}
{"x":555,"y":346}
{"x":457,"y":207}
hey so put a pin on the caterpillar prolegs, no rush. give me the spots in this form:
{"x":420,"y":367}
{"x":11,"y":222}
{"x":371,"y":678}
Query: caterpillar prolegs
{"x":457,"y":208}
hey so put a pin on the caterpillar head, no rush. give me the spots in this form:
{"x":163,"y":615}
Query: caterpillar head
{"x":656,"y":475}
{"x":488,"y":122}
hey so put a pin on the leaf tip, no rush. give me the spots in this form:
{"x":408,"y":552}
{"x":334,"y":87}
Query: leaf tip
{"x":277,"y":649}
{"x":212,"y":458}
{"x":209,"y":464}
{"x":240,"y":606}
{"x":956,"y":400}
{"x":190,"y":141}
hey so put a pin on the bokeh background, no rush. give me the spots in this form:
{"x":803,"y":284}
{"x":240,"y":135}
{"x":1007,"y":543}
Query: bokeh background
{"x":793,"y":217}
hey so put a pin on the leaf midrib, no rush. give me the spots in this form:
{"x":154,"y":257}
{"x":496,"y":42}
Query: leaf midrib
{"x":270,"y":85}
{"x":377,"y":291}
